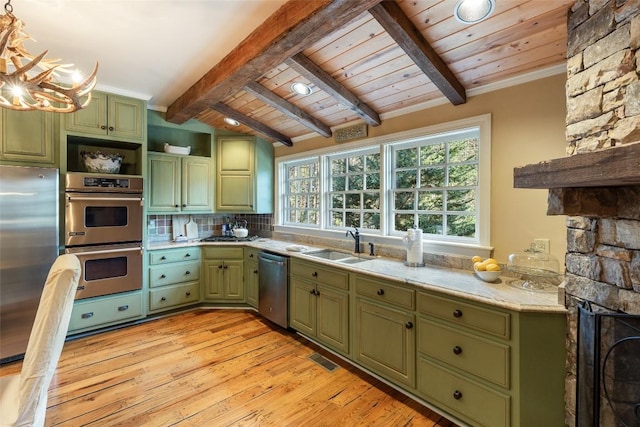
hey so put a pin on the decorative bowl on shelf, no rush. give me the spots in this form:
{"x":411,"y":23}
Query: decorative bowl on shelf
{"x":99,"y":162}
{"x":174,"y":149}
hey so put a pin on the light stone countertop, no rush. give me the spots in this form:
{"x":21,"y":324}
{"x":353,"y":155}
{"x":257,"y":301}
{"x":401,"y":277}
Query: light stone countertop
{"x":452,"y":282}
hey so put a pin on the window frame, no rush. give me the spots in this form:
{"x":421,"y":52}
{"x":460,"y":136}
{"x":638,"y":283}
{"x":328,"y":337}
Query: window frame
{"x":431,"y":243}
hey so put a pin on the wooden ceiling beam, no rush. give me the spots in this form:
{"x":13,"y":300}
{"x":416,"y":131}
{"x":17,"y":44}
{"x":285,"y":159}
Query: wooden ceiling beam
{"x":396,"y":23}
{"x":331,"y":86}
{"x":293,"y":27}
{"x":252,"y":123}
{"x":285,"y":107}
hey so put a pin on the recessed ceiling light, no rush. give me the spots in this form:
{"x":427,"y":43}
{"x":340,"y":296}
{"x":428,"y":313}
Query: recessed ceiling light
{"x":301,"y":89}
{"x":472,"y":11}
{"x":232,"y":122}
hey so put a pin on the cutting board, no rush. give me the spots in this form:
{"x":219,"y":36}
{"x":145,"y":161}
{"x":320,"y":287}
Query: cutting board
{"x":192,"y":229}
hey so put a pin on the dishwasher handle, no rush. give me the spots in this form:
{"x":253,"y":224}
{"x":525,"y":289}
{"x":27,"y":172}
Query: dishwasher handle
{"x":272,"y":258}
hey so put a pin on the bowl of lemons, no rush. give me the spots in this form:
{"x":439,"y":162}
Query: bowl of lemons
{"x":487,"y":270}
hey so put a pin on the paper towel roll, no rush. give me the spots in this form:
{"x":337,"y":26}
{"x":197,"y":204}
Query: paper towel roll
{"x":414,"y":246}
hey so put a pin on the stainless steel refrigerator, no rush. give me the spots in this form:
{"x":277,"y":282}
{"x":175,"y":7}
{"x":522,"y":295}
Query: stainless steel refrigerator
{"x":28,"y":247}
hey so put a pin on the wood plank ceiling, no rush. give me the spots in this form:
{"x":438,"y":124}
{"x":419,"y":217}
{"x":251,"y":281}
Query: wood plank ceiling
{"x":367,"y":58}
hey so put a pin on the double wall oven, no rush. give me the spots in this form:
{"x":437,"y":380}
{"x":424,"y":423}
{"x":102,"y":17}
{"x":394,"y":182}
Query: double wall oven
{"x":103,"y":228}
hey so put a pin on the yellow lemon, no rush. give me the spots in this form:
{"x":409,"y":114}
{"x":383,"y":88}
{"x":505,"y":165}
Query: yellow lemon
{"x":479,"y":266}
{"x":490,"y":261}
{"x":493,"y":267}
{"x":476,"y":259}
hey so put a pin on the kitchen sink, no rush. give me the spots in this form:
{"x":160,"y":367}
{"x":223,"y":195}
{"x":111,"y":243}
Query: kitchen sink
{"x":338,"y":256}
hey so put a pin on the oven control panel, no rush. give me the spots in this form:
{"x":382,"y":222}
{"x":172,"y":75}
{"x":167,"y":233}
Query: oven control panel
{"x":102,"y":183}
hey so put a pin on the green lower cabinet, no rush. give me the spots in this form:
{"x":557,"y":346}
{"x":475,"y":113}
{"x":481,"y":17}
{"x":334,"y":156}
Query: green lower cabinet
{"x":251,"y":276}
{"x":385,"y":341}
{"x":223,"y":274}
{"x":173,"y":296}
{"x":468,"y":400}
{"x":174,"y":278}
{"x":105,"y":311}
{"x":321,"y":312}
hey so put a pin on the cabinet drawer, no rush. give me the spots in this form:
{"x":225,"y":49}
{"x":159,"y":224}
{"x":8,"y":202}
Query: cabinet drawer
{"x":223,"y":253}
{"x":172,"y":296}
{"x":319,"y":273}
{"x":87,"y":314}
{"x":483,"y":358}
{"x":251,"y":254}
{"x":475,"y":403}
{"x":383,"y":291}
{"x":471,"y":316}
{"x":174,"y":273}
{"x":174,"y":255}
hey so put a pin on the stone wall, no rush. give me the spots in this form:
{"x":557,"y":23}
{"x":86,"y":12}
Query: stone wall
{"x":603,"y":111}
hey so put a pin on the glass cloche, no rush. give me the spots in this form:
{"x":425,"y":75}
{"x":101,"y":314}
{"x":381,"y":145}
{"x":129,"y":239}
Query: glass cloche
{"x":535,"y":269}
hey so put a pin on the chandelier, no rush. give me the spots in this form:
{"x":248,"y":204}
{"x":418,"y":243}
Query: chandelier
{"x":29,"y":82}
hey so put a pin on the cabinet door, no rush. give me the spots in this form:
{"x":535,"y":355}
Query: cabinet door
{"x":197,"y":192}
{"x":332,"y":322}
{"x":302,"y":306}
{"x":92,"y":119}
{"x":234,"y":193}
{"x":125,"y":117}
{"x":213,"y":279}
{"x":234,"y":280}
{"x":235,"y":183}
{"x":27,"y":136}
{"x":251,"y":280}
{"x":236,"y":155}
{"x":385,"y":341}
{"x":164,"y":188}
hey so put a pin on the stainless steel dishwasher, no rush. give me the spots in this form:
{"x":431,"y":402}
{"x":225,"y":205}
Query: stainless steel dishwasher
{"x":273,"y":287}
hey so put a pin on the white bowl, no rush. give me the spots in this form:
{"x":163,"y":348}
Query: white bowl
{"x":488,"y":276}
{"x":240,"y":232}
{"x":174,"y":149}
{"x":99,"y":162}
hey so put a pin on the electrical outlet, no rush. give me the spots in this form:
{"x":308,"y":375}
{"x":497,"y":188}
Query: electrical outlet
{"x":542,"y":245}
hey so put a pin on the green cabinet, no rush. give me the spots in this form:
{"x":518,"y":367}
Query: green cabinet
{"x":251,"y":275}
{"x":174,"y":278}
{"x":27,"y":137}
{"x":115,"y":117}
{"x":319,"y":303}
{"x":93,"y":313}
{"x":179,"y":184}
{"x":223,"y":273}
{"x":385,"y":329}
{"x":489,"y":366}
{"x":244,"y":175}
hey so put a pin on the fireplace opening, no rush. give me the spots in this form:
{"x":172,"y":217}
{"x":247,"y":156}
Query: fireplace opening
{"x":608,"y":374}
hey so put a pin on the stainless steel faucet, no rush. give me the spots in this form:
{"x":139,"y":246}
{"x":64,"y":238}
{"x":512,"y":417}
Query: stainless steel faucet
{"x":356,"y":236}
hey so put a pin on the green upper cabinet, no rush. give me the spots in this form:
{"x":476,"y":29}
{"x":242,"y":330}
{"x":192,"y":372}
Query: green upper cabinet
{"x":179,"y":184}
{"x":27,"y":137}
{"x":245,"y":164}
{"x":110,"y":116}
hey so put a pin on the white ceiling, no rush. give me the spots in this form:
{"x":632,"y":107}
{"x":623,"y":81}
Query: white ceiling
{"x":152,"y":49}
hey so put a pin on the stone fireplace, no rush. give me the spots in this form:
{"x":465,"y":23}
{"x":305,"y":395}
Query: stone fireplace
{"x":597,"y":186}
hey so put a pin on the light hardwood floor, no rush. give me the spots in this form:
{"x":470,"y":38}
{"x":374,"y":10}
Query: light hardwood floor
{"x":216,"y":368}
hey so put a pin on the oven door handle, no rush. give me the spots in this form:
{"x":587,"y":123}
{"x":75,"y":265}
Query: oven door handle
{"x":114,"y":199}
{"x":108,"y":251}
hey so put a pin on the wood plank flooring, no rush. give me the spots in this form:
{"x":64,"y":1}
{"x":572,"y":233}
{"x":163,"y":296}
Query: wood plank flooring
{"x":216,"y":368}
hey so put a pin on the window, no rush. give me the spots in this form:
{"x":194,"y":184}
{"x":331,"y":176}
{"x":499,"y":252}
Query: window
{"x":353,"y":198}
{"x":436,"y":178}
{"x":435,"y":185}
{"x":302,"y":193}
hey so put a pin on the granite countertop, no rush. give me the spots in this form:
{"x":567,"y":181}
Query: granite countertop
{"x":453,"y":282}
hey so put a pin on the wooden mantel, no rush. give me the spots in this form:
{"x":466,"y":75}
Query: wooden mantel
{"x":613,"y":167}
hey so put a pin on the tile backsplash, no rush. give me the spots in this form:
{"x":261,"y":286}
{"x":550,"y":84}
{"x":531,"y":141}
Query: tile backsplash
{"x":160,"y":227}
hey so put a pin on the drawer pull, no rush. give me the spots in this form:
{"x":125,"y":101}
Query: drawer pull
{"x":163,"y":299}
{"x":187,"y":255}
{"x":220,"y":266}
{"x":225,"y":266}
{"x":87,"y":315}
{"x":457,"y":313}
{"x":255,"y":271}
{"x":314,"y":274}
{"x":457,"y":395}
{"x":188,"y":293}
{"x":250,"y":255}
{"x":409,"y":325}
{"x":187,"y":273}
{"x":162,"y":276}
{"x":123,"y":308}
{"x":380,"y":292}
{"x":457,"y":350}
{"x":162,"y":258}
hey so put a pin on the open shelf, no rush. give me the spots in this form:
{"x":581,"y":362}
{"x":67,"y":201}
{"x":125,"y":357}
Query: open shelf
{"x":131,"y":164}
